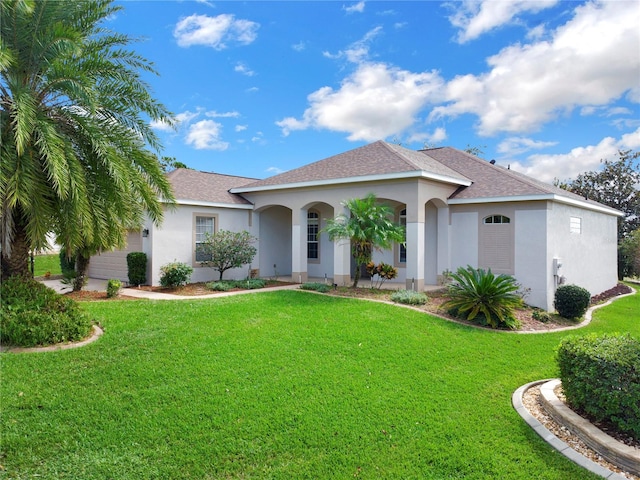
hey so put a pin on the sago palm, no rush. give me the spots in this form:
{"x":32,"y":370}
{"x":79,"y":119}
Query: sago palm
{"x":369,"y":227}
{"x":74,"y":126}
{"x":479,"y":295}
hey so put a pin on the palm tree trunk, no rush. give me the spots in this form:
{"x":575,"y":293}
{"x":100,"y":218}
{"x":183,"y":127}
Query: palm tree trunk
{"x":82,"y":264}
{"x":16,"y":260}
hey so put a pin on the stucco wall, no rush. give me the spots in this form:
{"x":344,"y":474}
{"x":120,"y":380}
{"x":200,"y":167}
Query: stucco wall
{"x":173,"y":240}
{"x":532,"y":267}
{"x":589,"y":259}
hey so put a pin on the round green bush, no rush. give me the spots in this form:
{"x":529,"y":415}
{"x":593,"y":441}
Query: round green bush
{"x":571,"y":301}
{"x":113,"y":287}
{"x":175,"y":274}
{"x":32,"y":314}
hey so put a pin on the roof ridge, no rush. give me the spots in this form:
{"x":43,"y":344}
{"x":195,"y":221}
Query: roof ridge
{"x":400,"y":155}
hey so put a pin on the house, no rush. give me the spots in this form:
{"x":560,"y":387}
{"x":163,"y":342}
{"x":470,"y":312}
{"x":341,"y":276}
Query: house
{"x":458,"y":210}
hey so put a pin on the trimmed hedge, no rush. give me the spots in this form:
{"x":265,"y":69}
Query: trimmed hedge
{"x":601,"y":376}
{"x":32,"y":314}
{"x":137,"y":268}
{"x":571,"y":301}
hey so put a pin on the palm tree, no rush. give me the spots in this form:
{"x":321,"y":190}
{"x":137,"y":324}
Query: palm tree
{"x":369,"y":227}
{"x":74,"y":126}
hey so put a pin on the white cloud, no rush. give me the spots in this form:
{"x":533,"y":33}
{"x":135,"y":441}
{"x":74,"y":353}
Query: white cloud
{"x":437,"y":136}
{"x":357,"y":8}
{"x":179,"y":119}
{"x":519,"y":145}
{"x":215,"y":32}
{"x":244,"y":69}
{"x":299,"y":47}
{"x":358,"y":51}
{"x":214,"y":114}
{"x":274,"y":170}
{"x":376,"y":101}
{"x":593,"y":59}
{"x":205,"y":135}
{"x":161,"y":126}
{"x":475,"y":17}
{"x":241,"y":128}
{"x":579,"y":160}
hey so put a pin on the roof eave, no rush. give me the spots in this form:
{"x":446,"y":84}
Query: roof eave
{"x":538,"y":197}
{"x":203,"y":203}
{"x":360,"y":179}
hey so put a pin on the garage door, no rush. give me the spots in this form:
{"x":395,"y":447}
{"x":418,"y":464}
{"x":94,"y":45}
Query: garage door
{"x":114,"y":264}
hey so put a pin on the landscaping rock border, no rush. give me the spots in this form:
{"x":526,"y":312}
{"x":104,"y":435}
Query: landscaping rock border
{"x":562,"y":447}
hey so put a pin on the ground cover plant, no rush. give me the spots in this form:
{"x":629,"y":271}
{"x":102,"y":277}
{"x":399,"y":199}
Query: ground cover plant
{"x":283,"y":385}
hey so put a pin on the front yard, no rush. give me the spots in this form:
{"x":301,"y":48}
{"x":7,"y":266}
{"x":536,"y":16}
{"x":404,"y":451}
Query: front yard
{"x":282,"y":385}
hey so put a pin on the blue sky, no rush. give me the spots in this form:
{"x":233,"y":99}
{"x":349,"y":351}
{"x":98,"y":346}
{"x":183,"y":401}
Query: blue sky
{"x":260,"y":87}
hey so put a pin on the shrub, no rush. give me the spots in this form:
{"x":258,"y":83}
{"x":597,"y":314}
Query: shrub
{"x":571,"y":301}
{"x":67,"y":264}
{"x":137,"y":268}
{"x":32,"y":314}
{"x":175,"y":274}
{"x":409,"y":297}
{"x":220,"y":286}
{"x":541,"y":316}
{"x":316,"y":287}
{"x":383,"y":271}
{"x":251,"y":283}
{"x":113,"y":287}
{"x":601,"y":376}
{"x":479,"y":295}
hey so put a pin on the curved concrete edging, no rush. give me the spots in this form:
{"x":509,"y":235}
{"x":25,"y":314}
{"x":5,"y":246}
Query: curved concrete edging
{"x":624,"y":456}
{"x":96,"y":332}
{"x":555,"y":442}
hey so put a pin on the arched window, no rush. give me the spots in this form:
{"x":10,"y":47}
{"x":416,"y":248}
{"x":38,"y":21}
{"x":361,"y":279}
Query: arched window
{"x":496,"y":220}
{"x":313,"y":227}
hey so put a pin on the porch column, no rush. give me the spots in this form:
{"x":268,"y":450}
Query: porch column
{"x":415,"y":256}
{"x":298,"y":245}
{"x":341,"y":255}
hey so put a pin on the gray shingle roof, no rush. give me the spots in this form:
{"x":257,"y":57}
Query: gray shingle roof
{"x":378,"y":158}
{"x":491,"y":181}
{"x":206,"y":187}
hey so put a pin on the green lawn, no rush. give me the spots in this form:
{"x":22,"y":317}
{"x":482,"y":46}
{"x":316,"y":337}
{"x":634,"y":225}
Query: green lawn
{"x":46,"y":263}
{"x":282,"y":385}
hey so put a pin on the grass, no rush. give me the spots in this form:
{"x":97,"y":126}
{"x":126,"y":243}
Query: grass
{"x":46,"y":263}
{"x":282,"y":385}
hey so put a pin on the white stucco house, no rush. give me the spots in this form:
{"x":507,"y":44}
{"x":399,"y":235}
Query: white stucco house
{"x":458,"y":210}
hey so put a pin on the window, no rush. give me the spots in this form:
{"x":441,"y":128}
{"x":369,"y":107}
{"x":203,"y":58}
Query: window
{"x":496,"y":219}
{"x":203,"y":226}
{"x":575,"y":225}
{"x":402,"y":251}
{"x":313,"y":227}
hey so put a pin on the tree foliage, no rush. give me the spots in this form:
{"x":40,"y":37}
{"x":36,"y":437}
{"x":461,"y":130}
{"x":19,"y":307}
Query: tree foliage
{"x":75,"y":133}
{"x":226,"y":250}
{"x":615,"y":185}
{"x":369,"y":227}
{"x":629,"y":256}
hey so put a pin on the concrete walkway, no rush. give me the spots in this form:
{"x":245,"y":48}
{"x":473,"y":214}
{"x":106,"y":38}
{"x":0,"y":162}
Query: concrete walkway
{"x":101,"y":286}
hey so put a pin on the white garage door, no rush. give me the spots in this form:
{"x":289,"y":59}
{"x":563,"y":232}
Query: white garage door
{"x":109,"y":265}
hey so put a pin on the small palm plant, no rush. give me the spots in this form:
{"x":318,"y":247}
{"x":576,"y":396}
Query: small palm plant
{"x":479,"y":295}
